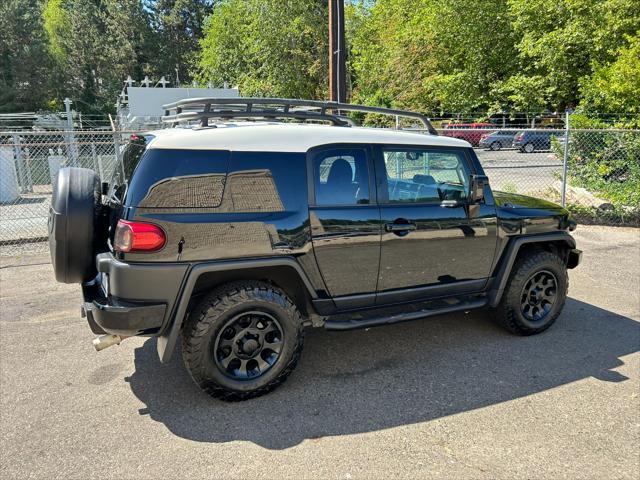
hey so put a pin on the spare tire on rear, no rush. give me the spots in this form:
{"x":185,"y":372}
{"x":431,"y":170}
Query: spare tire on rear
{"x":73,"y":218}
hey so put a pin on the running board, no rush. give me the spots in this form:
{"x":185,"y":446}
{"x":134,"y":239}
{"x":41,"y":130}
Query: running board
{"x":403,"y":317}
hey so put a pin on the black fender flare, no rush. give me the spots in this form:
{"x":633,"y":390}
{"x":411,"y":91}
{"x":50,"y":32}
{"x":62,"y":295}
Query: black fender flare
{"x":167,"y":340}
{"x":503,"y":271}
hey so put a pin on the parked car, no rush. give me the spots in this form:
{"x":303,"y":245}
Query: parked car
{"x":470,"y":132}
{"x":497,"y":140}
{"x":237,"y":236}
{"x":530,"y":141}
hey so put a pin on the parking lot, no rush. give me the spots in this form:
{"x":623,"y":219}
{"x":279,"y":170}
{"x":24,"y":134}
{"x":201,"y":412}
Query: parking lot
{"x":451,"y":396}
{"x":524,"y":172}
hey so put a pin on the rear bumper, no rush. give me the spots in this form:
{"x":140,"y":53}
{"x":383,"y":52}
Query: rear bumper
{"x":119,"y":317}
{"x":131,"y":299}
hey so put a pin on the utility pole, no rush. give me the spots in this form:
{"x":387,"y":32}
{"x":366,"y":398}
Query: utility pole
{"x":337,"y":65}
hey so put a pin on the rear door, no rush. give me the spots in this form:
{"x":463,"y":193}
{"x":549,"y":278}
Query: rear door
{"x":345,"y":222}
{"x":433,"y":241}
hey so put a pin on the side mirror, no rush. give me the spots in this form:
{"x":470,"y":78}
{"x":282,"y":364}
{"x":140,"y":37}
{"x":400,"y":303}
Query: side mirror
{"x":478,"y":182}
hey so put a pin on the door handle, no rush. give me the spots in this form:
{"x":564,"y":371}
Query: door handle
{"x":399,"y":227}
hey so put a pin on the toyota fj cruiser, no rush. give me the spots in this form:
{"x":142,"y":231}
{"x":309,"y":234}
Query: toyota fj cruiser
{"x":238,"y":233}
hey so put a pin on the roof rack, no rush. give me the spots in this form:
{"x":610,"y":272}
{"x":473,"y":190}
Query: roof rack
{"x":202,"y":109}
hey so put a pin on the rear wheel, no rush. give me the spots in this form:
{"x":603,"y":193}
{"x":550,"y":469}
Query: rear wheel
{"x":535,"y":294}
{"x":242,"y":341}
{"x":495,"y":146}
{"x":529,"y":148}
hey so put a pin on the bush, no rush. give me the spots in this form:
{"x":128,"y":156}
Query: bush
{"x":605,"y":162}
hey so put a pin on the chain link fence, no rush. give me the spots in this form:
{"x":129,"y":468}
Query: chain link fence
{"x":596,"y":173}
{"x":29,"y":162}
{"x":593,"y":172}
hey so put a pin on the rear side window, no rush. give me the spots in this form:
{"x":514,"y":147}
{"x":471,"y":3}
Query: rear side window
{"x":166,"y":178}
{"x":131,"y":155}
{"x":341,"y":177}
{"x":219,"y":181}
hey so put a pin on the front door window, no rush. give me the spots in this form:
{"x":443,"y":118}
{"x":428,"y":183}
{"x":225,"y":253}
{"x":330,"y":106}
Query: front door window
{"x":424,"y":176}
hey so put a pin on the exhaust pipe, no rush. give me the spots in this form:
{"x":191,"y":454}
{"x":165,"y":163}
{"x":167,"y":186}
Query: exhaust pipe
{"x":106,"y":341}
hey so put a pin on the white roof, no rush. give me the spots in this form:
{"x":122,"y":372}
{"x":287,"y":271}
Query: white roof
{"x":287,"y":137}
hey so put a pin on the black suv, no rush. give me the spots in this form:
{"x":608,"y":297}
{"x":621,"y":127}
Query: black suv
{"x":235,"y":235}
{"x":529,"y":141}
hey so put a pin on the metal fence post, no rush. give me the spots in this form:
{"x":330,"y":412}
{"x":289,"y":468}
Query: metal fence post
{"x":72,"y":147}
{"x":94,"y":157}
{"x":117,"y":138}
{"x":23,"y":176}
{"x":566,"y":158}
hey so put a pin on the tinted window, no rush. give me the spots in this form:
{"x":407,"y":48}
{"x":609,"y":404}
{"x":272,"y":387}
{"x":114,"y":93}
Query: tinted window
{"x":425,"y":175}
{"x":341,"y":177}
{"x":131,"y":155}
{"x":219,"y":181}
{"x":266,"y":182}
{"x":133,"y":152}
{"x":167,"y":178}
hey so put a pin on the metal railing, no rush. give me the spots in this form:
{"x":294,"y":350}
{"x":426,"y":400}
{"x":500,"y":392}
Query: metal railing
{"x":596,"y":173}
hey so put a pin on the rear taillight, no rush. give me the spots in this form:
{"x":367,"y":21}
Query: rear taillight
{"x":520,"y":137}
{"x":138,"y":237}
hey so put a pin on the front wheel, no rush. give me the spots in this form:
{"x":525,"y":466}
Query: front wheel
{"x":242,"y":341}
{"x":535,"y":294}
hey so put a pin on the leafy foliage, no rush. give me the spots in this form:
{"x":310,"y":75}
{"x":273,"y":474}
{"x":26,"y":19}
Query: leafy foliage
{"x":607,"y":163}
{"x":24,"y":56}
{"x":177,"y":27}
{"x":495,"y":55}
{"x":275,"y":48}
{"x":428,"y":55}
{"x":615,"y":87}
{"x":84,"y":49}
{"x":561,"y":41}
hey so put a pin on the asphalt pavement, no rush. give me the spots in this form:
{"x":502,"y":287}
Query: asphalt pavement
{"x":452,"y":396}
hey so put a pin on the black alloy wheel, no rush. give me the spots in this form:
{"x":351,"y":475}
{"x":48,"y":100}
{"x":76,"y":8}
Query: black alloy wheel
{"x":535,"y":293}
{"x":242,"y":340}
{"x":248,"y":345}
{"x":538,"y":296}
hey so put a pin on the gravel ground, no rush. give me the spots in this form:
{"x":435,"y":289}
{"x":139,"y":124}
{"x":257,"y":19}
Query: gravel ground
{"x":450,"y":396}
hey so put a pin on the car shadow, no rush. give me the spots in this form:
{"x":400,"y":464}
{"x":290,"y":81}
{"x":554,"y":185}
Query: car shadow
{"x":368,"y":380}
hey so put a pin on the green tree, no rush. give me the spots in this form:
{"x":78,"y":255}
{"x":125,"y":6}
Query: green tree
{"x":25,"y":61}
{"x":615,"y":87}
{"x":433,"y":55}
{"x":562,"y":40}
{"x":96,"y":44}
{"x":177,"y":30}
{"x":268,"y":48}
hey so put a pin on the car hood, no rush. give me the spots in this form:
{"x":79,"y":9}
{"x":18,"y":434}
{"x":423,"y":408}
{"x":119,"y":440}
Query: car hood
{"x":516,"y":201}
{"x":533,"y":215}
